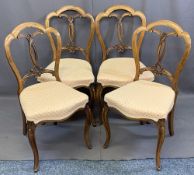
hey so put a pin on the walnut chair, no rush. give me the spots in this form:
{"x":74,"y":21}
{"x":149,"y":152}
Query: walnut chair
{"x":145,"y":100}
{"x":46,"y":102}
{"x":114,"y":73}
{"x":74,"y":72}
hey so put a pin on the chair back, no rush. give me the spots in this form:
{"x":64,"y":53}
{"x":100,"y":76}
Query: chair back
{"x":71,"y":46}
{"x":158,"y":69}
{"x":112,"y":12}
{"x":36,"y":70}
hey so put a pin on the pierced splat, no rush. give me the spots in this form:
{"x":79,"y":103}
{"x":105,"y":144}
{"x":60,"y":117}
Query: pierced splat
{"x":161,"y":48}
{"x":112,"y":12}
{"x":121,"y":46}
{"x":71,"y":27}
{"x":36,"y":69}
{"x":157,"y":68}
{"x":78,"y":12}
{"x":71,"y":46}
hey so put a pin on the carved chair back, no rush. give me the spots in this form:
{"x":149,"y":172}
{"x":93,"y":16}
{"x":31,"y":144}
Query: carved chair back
{"x":62,"y":13}
{"x":112,"y":13}
{"x":36,"y":69}
{"x":158,"y":68}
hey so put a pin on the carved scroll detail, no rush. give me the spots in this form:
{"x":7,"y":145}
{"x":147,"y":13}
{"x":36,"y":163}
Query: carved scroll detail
{"x":157,"y":68}
{"x":71,"y":27}
{"x":36,"y":69}
{"x":71,"y":46}
{"x":128,"y":11}
{"x":121,"y":46}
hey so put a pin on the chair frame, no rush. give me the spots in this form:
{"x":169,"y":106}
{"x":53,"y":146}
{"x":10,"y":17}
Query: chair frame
{"x":158,"y":70}
{"x":29,"y":126}
{"x":121,"y":47}
{"x":71,"y":45}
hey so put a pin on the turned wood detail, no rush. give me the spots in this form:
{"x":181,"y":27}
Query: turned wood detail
{"x":36,"y":69}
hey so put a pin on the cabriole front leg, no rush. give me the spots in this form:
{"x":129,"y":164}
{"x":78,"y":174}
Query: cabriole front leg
{"x":31,"y":136}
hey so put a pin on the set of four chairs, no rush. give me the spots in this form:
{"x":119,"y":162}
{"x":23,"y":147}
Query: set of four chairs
{"x":130,"y":84}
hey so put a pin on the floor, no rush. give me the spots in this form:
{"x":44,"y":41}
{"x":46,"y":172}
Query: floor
{"x":78,"y":167}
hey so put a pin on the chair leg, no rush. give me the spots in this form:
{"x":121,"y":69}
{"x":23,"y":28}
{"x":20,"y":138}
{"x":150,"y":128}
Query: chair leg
{"x":92,"y":100}
{"x":106,"y":124}
{"x":31,"y":136}
{"x":24,"y":123}
{"x":88,"y":122}
{"x":99,"y":98}
{"x":171,"y":122}
{"x":161,"y":136}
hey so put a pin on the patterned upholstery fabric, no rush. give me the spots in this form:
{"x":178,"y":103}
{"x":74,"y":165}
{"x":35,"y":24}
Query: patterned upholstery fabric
{"x":142,"y":99}
{"x":73,"y":72}
{"x":116,"y":72}
{"x":51,"y":101}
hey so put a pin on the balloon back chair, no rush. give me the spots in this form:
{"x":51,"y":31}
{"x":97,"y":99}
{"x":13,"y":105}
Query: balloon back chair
{"x":118,"y":71}
{"x":51,"y":101}
{"x":74,"y":72}
{"x":150,"y":101}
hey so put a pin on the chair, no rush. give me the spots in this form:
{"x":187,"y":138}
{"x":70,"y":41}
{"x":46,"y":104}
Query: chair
{"x":46,"y":102}
{"x":114,"y":73}
{"x":76,"y":73}
{"x":150,"y":101}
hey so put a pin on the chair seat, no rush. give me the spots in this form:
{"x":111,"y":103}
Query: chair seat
{"x":116,"y":72}
{"x":73,"y":72}
{"x":51,"y":101}
{"x":142,"y":100}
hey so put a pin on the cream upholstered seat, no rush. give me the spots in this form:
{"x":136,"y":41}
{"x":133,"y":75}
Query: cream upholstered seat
{"x":51,"y":101}
{"x":116,"y":72}
{"x":72,"y":72}
{"x":142,"y":99}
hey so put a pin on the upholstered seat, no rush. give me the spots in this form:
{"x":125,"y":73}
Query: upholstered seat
{"x":51,"y":101}
{"x":142,"y":99}
{"x":116,"y":72}
{"x":73,"y":72}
